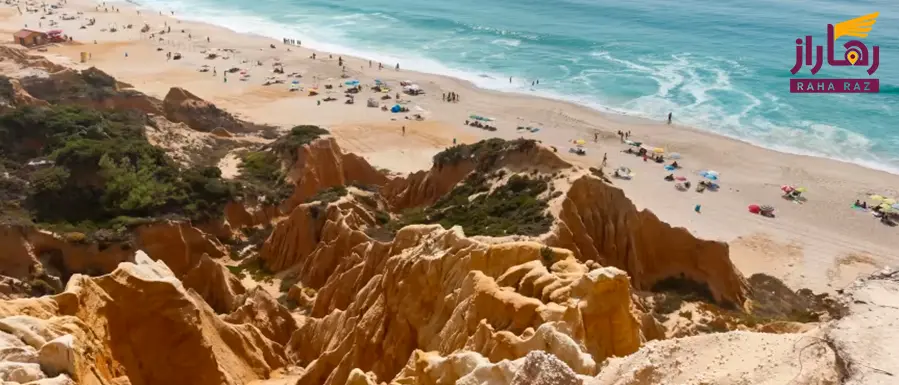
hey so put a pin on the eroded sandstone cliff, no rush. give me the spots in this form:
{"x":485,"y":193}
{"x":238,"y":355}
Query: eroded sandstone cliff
{"x":597,"y":222}
{"x":140,"y":322}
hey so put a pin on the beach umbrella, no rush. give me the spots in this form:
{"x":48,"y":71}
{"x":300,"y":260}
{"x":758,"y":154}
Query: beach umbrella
{"x":295,"y":82}
{"x":755,"y":209}
{"x":786,"y":188}
{"x":710,"y":175}
{"x":895,"y":206}
{"x":801,"y":189}
{"x":674,"y":155}
{"x":681,"y":178}
{"x":624,"y":170}
{"x":352,"y":82}
{"x":669,"y":167}
{"x":766,"y":208}
{"x":658,"y":150}
{"x":877,"y":198}
{"x":889,"y":201}
{"x":580,"y":142}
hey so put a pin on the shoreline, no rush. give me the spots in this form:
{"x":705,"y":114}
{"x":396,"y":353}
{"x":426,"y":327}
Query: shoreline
{"x":609,"y":112}
{"x":824,"y":230}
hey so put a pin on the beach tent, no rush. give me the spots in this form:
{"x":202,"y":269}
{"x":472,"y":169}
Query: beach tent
{"x":481,"y":118}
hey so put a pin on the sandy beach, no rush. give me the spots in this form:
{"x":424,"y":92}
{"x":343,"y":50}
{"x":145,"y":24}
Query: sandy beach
{"x":822,"y":244}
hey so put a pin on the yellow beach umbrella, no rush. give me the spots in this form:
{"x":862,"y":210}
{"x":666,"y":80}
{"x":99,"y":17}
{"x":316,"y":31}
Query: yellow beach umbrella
{"x":876,"y":198}
{"x":658,"y":150}
{"x":580,"y":142}
{"x":886,"y":208}
{"x":801,"y":189}
{"x":889,"y":201}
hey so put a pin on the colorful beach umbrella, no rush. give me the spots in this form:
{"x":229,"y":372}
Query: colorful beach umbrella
{"x":786,"y":188}
{"x":710,"y":175}
{"x":801,"y":189}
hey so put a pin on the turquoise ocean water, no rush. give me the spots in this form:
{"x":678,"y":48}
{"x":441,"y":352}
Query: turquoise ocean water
{"x":721,"y":66}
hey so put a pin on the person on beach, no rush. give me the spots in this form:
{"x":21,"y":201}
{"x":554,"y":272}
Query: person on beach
{"x":369,"y":64}
{"x":404,"y":130}
{"x":397,"y":66}
{"x":605,"y":157}
{"x":669,"y":118}
{"x":595,"y":137}
{"x":340,"y":61}
{"x":214,"y":72}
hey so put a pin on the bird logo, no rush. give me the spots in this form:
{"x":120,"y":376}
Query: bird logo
{"x":857,"y":27}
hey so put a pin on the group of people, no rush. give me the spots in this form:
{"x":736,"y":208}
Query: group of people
{"x":878,"y":211}
{"x":451,"y":97}
{"x":291,"y":41}
{"x":475,"y":123}
{"x":624,"y":135}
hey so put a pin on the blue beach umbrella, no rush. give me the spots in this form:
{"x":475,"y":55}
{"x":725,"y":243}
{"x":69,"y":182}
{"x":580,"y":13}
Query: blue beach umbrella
{"x":710,"y":175}
{"x":352,"y":82}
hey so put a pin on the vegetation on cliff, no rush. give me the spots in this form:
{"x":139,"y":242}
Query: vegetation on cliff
{"x":79,"y":169}
{"x":262,"y":173}
{"x":518,"y":206}
{"x":485,"y":153}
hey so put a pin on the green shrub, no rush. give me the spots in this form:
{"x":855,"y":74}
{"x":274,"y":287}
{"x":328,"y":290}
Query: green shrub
{"x":261,"y":177}
{"x":329,"y":195}
{"x":296,"y":138}
{"x":513,"y":208}
{"x":485,"y":154}
{"x":104,"y":174}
